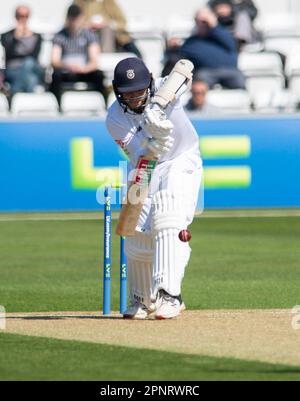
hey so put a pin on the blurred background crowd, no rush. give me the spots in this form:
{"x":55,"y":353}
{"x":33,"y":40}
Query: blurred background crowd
{"x":246,"y":57}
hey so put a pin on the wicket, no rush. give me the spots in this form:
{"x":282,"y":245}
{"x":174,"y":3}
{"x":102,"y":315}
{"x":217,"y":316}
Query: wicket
{"x":107,"y":261}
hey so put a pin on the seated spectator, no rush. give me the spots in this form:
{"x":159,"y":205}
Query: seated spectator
{"x":75,"y":56}
{"x":247,"y":6}
{"x":198,"y":100}
{"x":238,"y":17}
{"x":3,"y":86}
{"x":22,"y":48}
{"x":107,"y":19}
{"x":213,"y":51}
{"x":171,"y":55}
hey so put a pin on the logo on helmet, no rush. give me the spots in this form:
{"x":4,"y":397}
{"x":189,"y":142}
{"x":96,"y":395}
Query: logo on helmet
{"x":130,"y":74}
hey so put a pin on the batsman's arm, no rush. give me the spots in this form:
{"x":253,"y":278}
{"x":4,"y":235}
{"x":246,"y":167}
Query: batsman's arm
{"x":179,"y":79}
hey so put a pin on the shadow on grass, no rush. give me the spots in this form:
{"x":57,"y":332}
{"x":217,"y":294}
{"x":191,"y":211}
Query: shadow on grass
{"x":64,"y":317}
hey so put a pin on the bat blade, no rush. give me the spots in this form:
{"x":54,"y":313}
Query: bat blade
{"x":136,"y":195}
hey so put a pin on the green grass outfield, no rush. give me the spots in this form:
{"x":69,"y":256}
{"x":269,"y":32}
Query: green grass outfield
{"x":236,"y":263}
{"x":56,"y":265}
{"x":33,"y":358}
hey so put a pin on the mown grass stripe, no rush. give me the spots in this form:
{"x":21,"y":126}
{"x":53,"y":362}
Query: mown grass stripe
{"x":36,"y":358}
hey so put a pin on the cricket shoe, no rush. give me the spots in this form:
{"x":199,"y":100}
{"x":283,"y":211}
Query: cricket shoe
{"x":137,"y":311}
{"x":168,"y":306}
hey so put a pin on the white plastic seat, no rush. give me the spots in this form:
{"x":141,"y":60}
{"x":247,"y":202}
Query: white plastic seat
{"x":292,"y":65}
{"x":294,"y":85}
{"x":152,"y":48}
{"x":280,"y":101}
{"x":285,"y":101}
{"x":263,"y":62}
{"x":282,"y":44}
{"x":4,"y":107}
{"x":179,"y":27}
{"x":111,"y":98}
{"x":80,"y":104}
{"x":279,"y":22}
{"x":33,"y":104}
{"x":229,"y":101}
{"x":264,"y":84}
{"x":140,"y":25}
{"x":45,"y":53}
{"x":45,"y":26}
{"x":107,"y":63}
{"x":2,"y":57}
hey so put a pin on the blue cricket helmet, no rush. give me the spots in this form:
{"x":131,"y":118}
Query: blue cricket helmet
{"x":130,"y":75}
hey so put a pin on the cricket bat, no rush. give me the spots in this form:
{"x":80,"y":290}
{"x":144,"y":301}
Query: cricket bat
{"x":136,"y":195}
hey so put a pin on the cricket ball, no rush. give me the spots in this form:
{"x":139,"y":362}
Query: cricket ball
{"x":185,"y":236}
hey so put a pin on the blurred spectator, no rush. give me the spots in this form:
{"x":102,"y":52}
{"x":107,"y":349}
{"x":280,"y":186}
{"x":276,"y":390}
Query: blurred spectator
{"x":198,"y":100}
{"x":3,"y":86}
{"x":213,"y":51}
{"x":22,"y":47}
{"x":107,"y":19}
{"x":238,"y":17}
{"x":75,"y":55}
{"x":171,"y":55}
{"x":247,"y":6}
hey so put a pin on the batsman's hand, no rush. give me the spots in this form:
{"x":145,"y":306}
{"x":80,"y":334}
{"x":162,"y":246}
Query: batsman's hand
{"x":159,"y":147}
{"x":156,"y":122}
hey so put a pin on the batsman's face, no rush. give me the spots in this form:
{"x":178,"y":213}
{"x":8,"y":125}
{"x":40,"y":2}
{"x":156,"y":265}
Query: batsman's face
{"x":135,"y":99}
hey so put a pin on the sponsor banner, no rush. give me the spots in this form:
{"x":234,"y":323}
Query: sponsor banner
{"x":62,"y":165}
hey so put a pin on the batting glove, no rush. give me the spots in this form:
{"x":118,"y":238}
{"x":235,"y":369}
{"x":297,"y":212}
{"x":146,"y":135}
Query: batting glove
{"x":159,"y":147}
{"x":156,"y":122}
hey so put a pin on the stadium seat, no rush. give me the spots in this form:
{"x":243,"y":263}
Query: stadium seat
{"x":177,"y":27}
{"x":107,"y":63}
{"x":278,"y":23}
{"x":229,"y":101}
{"x":280,"y":101}
{"x":33,"y":104}
{"x":152,"y":48}
{"x":292,"y":65}
{"x":45,"y":53}
{"x":47,"y":17}
{"x":2,"y":57}
{"x":263,"y":62}
{"x":45,"y":27}
{"x":83,"y":104}
{"x":284,"y":101}
{"x":268,"y":83}
{"x":111,"y":99}
{"x":140,"y":25}
{"x":4,"y":107}
{"x":294,"y":85}
{"x":286,"y":45}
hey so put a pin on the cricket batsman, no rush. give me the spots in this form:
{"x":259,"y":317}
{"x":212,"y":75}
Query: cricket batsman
{"x":148,"y":118}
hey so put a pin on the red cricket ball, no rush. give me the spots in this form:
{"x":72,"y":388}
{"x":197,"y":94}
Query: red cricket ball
{"x":185,"y":236}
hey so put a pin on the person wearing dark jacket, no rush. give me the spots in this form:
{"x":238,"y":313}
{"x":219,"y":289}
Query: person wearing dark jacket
{"x":213,"y":51}
{"x":22,"y":48}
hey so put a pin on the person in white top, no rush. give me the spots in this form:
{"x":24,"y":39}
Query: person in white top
{"x":159,"y":251}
